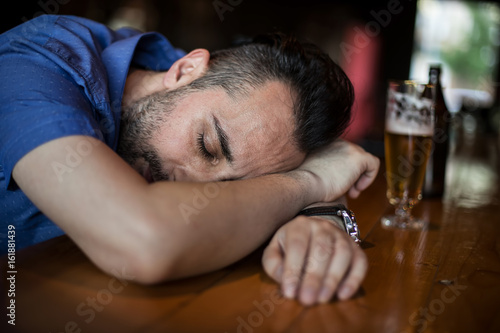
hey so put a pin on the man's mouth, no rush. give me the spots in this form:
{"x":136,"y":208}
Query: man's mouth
{"x":146,"y":173}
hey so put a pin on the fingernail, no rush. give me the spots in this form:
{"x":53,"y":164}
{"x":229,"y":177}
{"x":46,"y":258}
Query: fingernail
{"x":279,"y":272}
{"x":307,"y":296}
{"x":344,"y":292}
{"x":289,"y":290}
{"x":324,"y":295}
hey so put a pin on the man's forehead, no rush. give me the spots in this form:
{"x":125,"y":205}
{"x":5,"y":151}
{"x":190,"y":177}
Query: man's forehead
{"x":267,"y":109}
{"x":260,"y":131}
{"x":278,"y":156}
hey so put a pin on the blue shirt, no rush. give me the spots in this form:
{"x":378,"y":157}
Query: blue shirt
{"x":61,"y":76}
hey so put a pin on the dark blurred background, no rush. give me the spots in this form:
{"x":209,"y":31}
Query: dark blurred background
{"x":372,"y":40}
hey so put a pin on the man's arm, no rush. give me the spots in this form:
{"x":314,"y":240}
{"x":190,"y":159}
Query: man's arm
{"x":120,"y":221}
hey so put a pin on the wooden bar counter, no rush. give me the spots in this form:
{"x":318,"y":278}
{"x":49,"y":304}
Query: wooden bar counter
{"x":443,"y":279}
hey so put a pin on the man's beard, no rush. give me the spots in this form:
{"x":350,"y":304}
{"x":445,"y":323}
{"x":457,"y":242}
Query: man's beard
{"x":140,"y":122}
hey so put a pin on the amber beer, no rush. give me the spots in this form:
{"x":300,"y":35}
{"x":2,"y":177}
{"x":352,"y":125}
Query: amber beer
{"x":406,"y":158}
{"x":409,"y":129}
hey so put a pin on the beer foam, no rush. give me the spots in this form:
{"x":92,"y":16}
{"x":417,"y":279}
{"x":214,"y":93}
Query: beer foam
{"x":408,"y":114}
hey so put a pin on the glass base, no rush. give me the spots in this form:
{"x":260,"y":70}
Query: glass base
{"x":395,"y":221}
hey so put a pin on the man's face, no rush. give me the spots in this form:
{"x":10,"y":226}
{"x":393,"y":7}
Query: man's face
{"x":208,"y":135}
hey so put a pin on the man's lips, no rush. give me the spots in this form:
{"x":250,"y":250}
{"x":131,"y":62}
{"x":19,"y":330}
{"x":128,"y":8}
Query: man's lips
{"x":146,"y":173}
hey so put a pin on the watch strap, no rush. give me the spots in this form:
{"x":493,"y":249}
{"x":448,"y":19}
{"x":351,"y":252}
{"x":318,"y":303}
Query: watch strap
{"x":323,"y":210}
{"x":347,"y":216}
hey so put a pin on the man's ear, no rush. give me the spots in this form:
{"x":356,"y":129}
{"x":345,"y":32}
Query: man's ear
{"x":187,"y":69}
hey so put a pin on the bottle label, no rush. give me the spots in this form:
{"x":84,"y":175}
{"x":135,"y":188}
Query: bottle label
{"x":409,"y":114}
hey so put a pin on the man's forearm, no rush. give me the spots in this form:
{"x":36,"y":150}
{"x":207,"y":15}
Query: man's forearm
{"x":210,"y":225}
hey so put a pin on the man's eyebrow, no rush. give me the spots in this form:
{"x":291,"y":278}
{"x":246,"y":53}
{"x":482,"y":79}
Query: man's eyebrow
{"x":223,"y":141}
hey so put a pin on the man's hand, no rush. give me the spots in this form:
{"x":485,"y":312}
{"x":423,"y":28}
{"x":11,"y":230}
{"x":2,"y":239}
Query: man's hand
{"x":313,"y":259}
{"x":342,"y":167}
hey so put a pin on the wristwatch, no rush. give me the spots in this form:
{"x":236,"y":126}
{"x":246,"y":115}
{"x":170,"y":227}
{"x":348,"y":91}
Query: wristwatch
{"x":348,"y":218}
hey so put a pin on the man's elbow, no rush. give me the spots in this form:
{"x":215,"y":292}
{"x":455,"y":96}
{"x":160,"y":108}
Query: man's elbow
{"x":157,"y":259}
{"x":146,"y":272}
{"x":149,"y":257}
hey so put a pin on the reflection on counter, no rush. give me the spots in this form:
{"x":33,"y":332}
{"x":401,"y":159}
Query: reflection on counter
{"x":473,"y":167}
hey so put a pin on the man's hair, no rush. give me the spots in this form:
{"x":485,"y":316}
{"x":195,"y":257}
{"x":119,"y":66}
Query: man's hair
{"x":323,"y":93}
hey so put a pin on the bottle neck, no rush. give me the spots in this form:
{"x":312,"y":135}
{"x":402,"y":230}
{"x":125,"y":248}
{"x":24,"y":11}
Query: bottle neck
{"x":435,"y":77}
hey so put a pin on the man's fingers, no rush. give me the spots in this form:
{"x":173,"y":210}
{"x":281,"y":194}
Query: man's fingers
{"x":366,"y":178}
{"x":316,"y":265}
{"x":356,"y":274}
{"x":353,"y":192}
{"x":272,"y":260}
{"x":359,"y":186}
{"x":369,"y":174}
{"x":295,"y":246}
{"x":338,"y":268}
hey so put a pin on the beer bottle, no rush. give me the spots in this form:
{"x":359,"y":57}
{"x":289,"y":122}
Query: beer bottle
{"x":435,"y":176}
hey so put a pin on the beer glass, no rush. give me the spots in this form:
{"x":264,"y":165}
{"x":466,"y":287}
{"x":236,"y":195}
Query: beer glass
{"x":409,"y":128}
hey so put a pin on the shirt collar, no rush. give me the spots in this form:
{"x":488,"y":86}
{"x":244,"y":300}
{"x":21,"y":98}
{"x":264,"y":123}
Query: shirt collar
{"x":148,"y":50}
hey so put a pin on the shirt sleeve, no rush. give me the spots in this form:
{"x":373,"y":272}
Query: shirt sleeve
{"x":38,"y":103}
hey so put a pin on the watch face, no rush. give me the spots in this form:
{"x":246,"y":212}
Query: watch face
{"x":351,"y":225}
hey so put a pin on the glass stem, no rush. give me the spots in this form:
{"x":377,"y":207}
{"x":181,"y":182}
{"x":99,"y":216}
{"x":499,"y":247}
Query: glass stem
{"x":403,"y":211}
